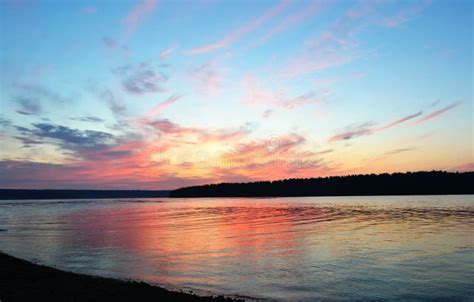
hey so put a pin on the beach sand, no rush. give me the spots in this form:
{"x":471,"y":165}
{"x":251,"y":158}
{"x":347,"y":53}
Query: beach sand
{"x":21,"y":280}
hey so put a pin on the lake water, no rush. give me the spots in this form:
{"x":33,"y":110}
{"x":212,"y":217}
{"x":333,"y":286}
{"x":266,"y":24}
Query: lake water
{"x":285,"y":249}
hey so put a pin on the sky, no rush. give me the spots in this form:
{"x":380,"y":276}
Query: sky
{"x":164,"y":94}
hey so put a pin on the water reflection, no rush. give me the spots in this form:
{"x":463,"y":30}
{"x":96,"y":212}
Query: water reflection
{"x":287,"y":249}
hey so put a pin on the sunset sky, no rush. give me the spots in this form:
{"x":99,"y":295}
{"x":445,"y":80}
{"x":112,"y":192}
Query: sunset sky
{"x":165,"y":94}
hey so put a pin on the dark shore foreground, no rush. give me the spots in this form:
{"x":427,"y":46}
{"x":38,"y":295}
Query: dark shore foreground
{"x":21,"y":280}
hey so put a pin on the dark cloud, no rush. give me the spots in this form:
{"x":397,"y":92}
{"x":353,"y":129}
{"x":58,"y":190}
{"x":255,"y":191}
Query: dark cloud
{"x":27,"y":142}
{"x":38,"y":92}
{"x":141,"y":79}
{"x":120,"y":153}
{"x":28,"y":106}
{"x":72,"y":139}
{"x":26,"y":174}
{"x":31,"y":99}
{"x":399,"y":150}
{"x":91,"y":119}
{"x":353,"y":131}
{"x":4,"y":122}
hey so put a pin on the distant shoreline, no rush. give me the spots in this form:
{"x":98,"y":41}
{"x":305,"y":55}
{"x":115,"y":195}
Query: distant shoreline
{"x":410,"y":183}
{"x":20,"y":194}
{"x":395,"y":184}
{"x":25,"y":281}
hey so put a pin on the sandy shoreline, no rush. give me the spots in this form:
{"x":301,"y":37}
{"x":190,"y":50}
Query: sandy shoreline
{"x":21,"y":280}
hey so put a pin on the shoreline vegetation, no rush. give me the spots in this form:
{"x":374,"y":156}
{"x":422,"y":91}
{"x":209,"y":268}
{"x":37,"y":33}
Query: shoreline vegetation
{"x":21,"y":280}
{"x":409,"y":183}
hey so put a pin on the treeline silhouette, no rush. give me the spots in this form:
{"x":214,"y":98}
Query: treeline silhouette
{"x":410,"y":183}
{"x":78,"y":194}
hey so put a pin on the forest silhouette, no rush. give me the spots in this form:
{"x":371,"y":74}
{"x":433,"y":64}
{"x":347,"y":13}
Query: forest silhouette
{"x":410,"y":183}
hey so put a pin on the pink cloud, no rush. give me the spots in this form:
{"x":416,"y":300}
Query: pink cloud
{"x":196,"y":134}
{"x":466,"y":167}
{"x":240,"y":32}
{"x":137,"y":14}
{"x":167,"y":52}
{"x":156,"y":110}
{"x":274,"y":158}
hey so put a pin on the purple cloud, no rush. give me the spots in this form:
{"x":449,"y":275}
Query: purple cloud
{"x":436,"y":113}
{"x":141,"y":79}
{"x":353,"y":132}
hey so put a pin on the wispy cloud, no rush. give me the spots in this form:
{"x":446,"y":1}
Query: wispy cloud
{"x":4,"y":122}
{"x":167,"y":127}
{"x":275,"y":158}
{"x":369,"y":128}
{"x":309,"y":10}
{"x":90,"y":119}
{"x":406,"y":13}
{"x":156,"y":110}
{"x":240,"y":32}
{"x":107,"y":96}
{"x":298,"y":101}
{"x":257,"y":95}
{"x":436,"y":113}
{"x":166,"y":53}
{"x":137,"y":14}
{"x":254,"y":93}
{"x":399,"y":121}
{"x":335,"y":46}
{"x":267,"y":113}
{"x":399,"y":150}
{"x":28,"y":106}
{"x":209,"y":78}
{"x":353,"y":132}
{"x":32,"y":99}
{"x":116,"y":45}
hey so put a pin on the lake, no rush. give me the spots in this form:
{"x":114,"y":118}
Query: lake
{"x":284,"y":249}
